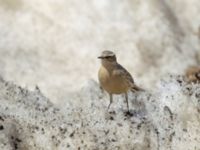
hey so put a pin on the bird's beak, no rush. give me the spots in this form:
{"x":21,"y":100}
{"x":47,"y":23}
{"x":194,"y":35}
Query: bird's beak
{"x":100,"y":57}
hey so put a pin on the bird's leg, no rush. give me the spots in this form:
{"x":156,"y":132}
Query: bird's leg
{"x":126,"y":96}
{"x":111,"y":99}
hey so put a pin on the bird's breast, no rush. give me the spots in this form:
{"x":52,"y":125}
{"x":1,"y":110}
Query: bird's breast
{"x":112,"y":83}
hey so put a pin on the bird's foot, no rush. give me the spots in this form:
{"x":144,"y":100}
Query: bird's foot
{"x":128,"y":114}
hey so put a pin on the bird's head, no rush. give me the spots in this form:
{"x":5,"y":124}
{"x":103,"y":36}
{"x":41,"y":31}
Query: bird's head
{"x":108,"y":58}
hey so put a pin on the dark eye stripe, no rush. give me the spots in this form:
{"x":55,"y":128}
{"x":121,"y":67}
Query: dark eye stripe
{"x":106,"y":57}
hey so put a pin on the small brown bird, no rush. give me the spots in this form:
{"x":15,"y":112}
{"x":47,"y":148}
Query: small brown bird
{"x":193,"y":74}
{"x":114,"y":78}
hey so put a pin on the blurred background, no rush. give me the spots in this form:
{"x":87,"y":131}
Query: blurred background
{"x":55,"y":44}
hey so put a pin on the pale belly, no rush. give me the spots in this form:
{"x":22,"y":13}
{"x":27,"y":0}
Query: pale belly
{"x":111,"y":83}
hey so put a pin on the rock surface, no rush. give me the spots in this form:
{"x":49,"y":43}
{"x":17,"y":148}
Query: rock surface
{"x":164,"y":119}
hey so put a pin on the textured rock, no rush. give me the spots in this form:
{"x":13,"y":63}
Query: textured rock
{"x":164,"y":119}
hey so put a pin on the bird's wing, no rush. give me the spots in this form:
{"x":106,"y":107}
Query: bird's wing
{"x":121,"y":71}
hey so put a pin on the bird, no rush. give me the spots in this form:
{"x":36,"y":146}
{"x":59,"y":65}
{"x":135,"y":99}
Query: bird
{"x":114,"y":78}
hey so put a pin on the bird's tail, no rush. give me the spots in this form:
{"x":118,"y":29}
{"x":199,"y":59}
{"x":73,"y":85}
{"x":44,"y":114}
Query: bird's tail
{"x":135,"y":88}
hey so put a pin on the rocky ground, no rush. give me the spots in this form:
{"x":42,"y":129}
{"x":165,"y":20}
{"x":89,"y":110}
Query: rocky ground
{"x":164,"y":119}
